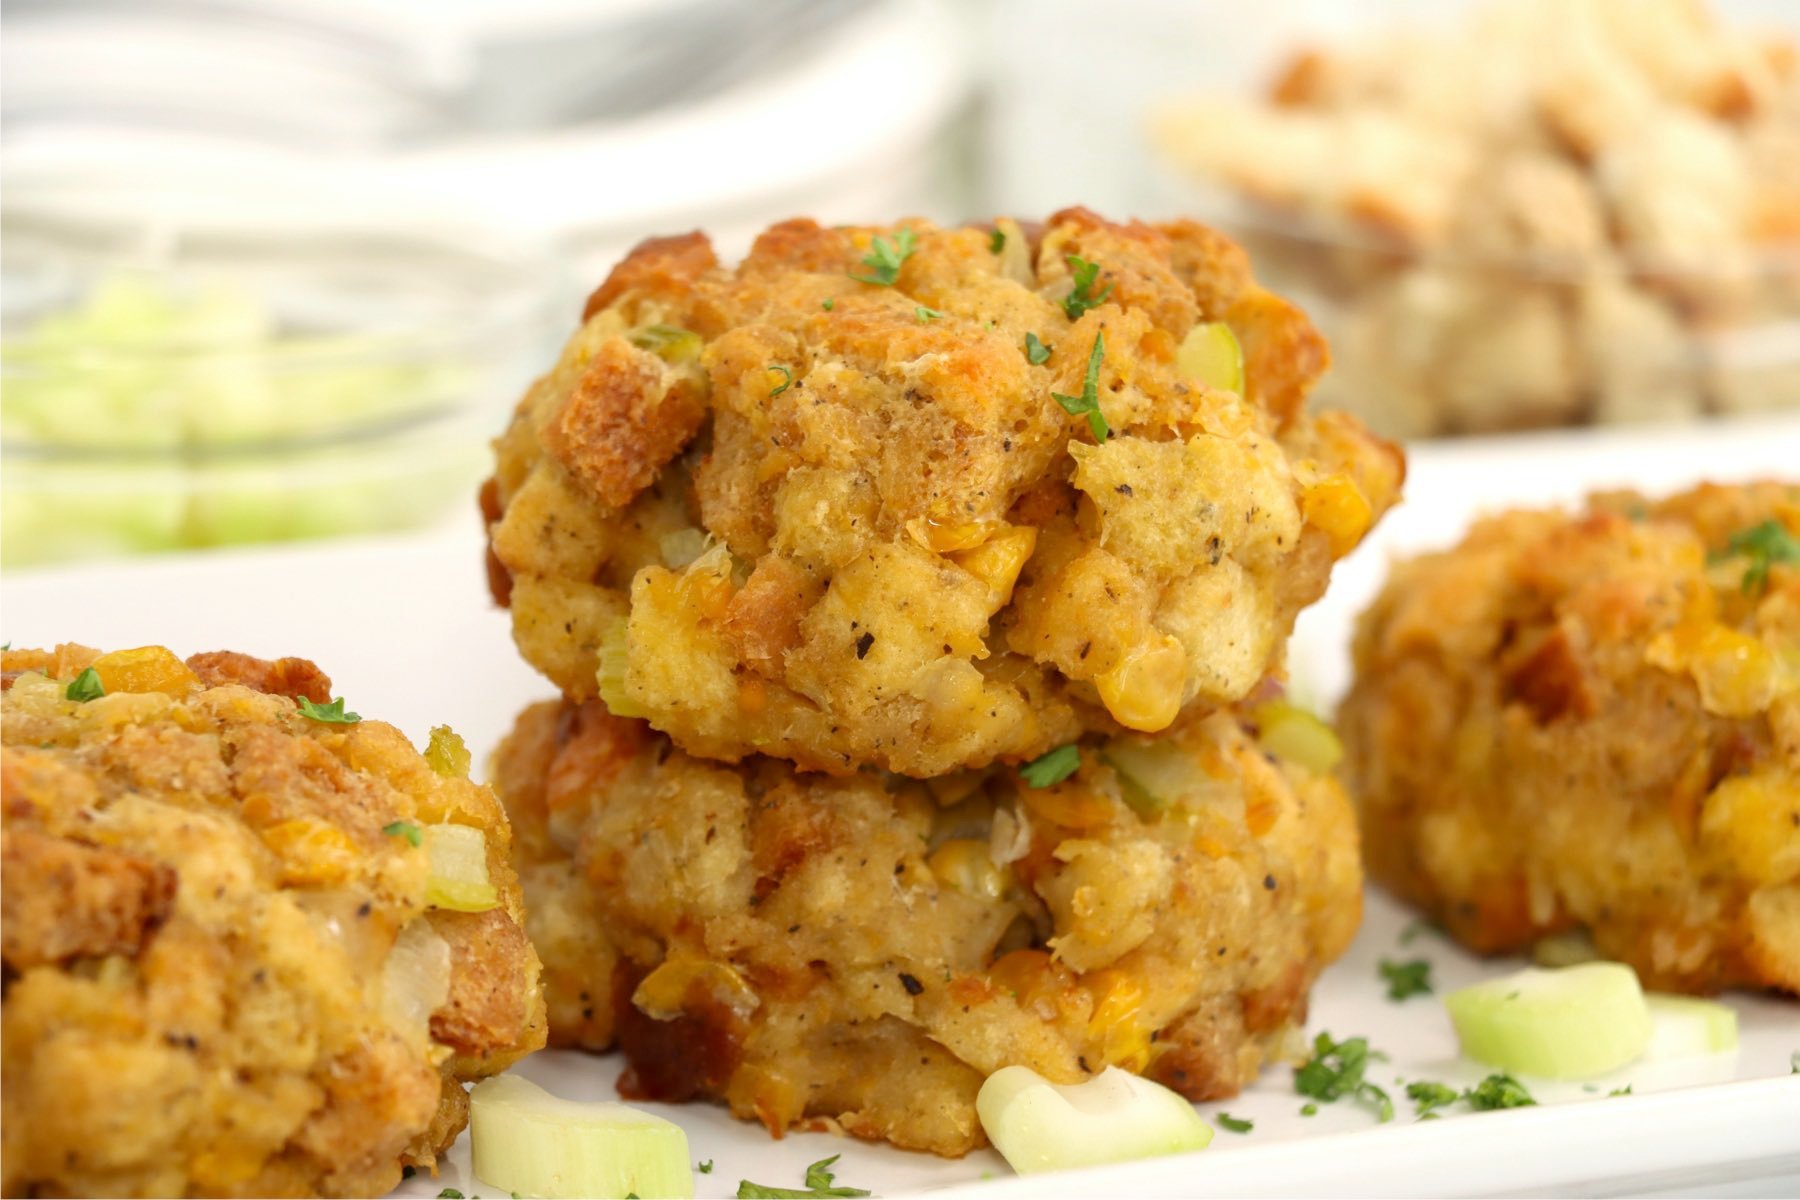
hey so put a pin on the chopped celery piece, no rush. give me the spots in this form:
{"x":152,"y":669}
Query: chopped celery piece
{"x":1211,"y":354}
{"x":1115,"y":1116}
{"x":1154,"y":774}
{"x":446,"y":754}
{"x":668,"y":342}
{"x":1568,"y":1023}
{"x":459,"y":872}
{"x":1294,"y":735}
{"x":613,"y":662}
{"x":1685,"y":1027}
{"x":528,"y":1142}
{"x":1565,"y":949}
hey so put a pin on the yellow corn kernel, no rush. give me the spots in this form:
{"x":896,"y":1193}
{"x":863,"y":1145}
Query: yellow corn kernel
{"x":1145,"y":691}
{"x":146,"y":669}
{"x":1749,"y":820}
{"x":663,"y":993}
{"x":227,"y":1166}
{"x":1117,"y":1024}
{"x":965,"y":864}
{"x":1294,"y":735}
{"x":446,"y":754}
{"x":313,"y":853}
{"x":1073,"y":805}
{"x":1738,"y":675}
{"x":1337,"y":507}
{"x":998,"y":561}
{"x":943,"y":537}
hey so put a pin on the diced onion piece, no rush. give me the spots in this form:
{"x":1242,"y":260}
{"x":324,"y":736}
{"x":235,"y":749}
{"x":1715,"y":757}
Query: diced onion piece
{"x":681,"y":547}
{"x":416,"y":976}
{"x":1115,"y":1116}
{"x":1569,"y":1023}
{"x":1211,"y":354}
{"x":528,"y":1142}
{"x":1685,"y":1027}
{"x":613,"y":663}
{"x":1294,"y":735}
{"x":446,"y":754}
{"x":459,"y":871}
{"x":1153,"y":774}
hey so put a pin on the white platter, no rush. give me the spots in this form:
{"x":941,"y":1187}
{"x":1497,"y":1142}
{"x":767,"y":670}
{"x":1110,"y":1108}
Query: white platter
{"x":406,"y":631}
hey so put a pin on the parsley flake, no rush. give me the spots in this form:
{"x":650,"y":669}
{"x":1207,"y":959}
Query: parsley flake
{"x":925,"y":314}
{"x":1794,"y":1063}
{"x":1234,"y":1125}
{"x":996,"y":241}
{"x":1081,"y":297}
{"x":327,"y":714}
{"x":1427,"y":1095}
{"x":1763,"y":545}
{"x":704,"y":1168}
{"x":85,"y":686}
{"x":829,"y":303}
{"x":1309,"y":1110}
{"x":1053,"y":767}
{"x":1088,"y":403}
{"x":884,"y":258}
{"x":1406,"y":978}
{"x":1414,"y":930}
{"x":450,"y":1194}
{"x":787,"y":379}
{"x":1624,"y":1091}
{"x":819,"y":1180}
{"x":1498,"y":1091}
{"x":405,"y":829}
{"x":1336,"y":1070}
{"x":1036,"y":353}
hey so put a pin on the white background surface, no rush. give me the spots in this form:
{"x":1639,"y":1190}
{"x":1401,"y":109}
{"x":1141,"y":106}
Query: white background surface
{"x":406,"y":631}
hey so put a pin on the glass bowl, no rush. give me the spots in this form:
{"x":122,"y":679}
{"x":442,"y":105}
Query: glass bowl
{"x":195,"y":369}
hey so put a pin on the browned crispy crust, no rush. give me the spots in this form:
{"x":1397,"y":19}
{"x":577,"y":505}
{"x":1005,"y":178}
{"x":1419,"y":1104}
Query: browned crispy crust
{"x":863,"y":953}
{"x":847,"y":523}
{"x":221,"y":973}
{"x":1592,"y":721}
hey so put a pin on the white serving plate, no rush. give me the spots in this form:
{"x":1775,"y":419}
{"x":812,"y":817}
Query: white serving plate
{"x":405,"y":628}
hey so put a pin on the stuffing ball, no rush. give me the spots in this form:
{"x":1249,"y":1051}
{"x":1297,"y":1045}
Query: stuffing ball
{"x":925,"y":499}
{"x":1589,"y":723}
{"x":253,"y":945}
{"x":859,"y":952}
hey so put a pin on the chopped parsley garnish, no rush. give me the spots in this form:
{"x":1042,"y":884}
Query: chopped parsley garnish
{"x":328,"y":714}
{"x":405,"y":829}
{"x":704,"y":1168}
{"x":884,"y":258}
{"x":85,"y":686}
{"x":1764,"y":545}
{"x":1498,"y":1091}
{"x":1794,"y":1063}
{"x":787,"y":379}
{"x":1414,"y":930}
{"x":1336,"y":1070}
{"x":1234,"y":1125}
{"x":925,"y":314}
{"x":1406,"y":978}
{"x":1427,"y":1095}
{"x":1052,"y":768}
{"x":1036,"y":353}
{"x":1088,"y":403}
{"x":818,"y":1186}
{"x":1082,"y":297}
{"x":1309,"y":1110}
{"x":1624,"y":1091}
{"x":996,"y":241}
{"x":829,"y":303}
{"x":450,"y":1194}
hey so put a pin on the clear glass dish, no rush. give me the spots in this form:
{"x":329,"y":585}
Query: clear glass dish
{"x":183,"y":369}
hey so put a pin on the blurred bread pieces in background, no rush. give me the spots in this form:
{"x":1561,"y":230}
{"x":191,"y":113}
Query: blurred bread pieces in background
{"x":1555,"y":211}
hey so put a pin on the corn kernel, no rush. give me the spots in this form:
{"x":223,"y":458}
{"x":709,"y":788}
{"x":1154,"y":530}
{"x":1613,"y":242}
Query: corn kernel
{"x":943,"y":537}
{"x":663,"y":993}
{"x":146,"y":669}
{"x":1072,"y":805}
{"x":1738,"y":675}
{"x":1748,"y":818}
{"x":1145,"y":691}
{"x":964,"y":864}
{"x":312,"y":852}
{"x":1116,"y":1023}
{"x":998,"y":561}
{"x":1337,"y":507}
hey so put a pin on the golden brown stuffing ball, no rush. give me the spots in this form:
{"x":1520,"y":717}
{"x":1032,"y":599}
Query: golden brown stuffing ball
{"x":1591,"y":722}
{"x":861,"y":951}
{"x":924,"y":498}
{"x":229,"y":969}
